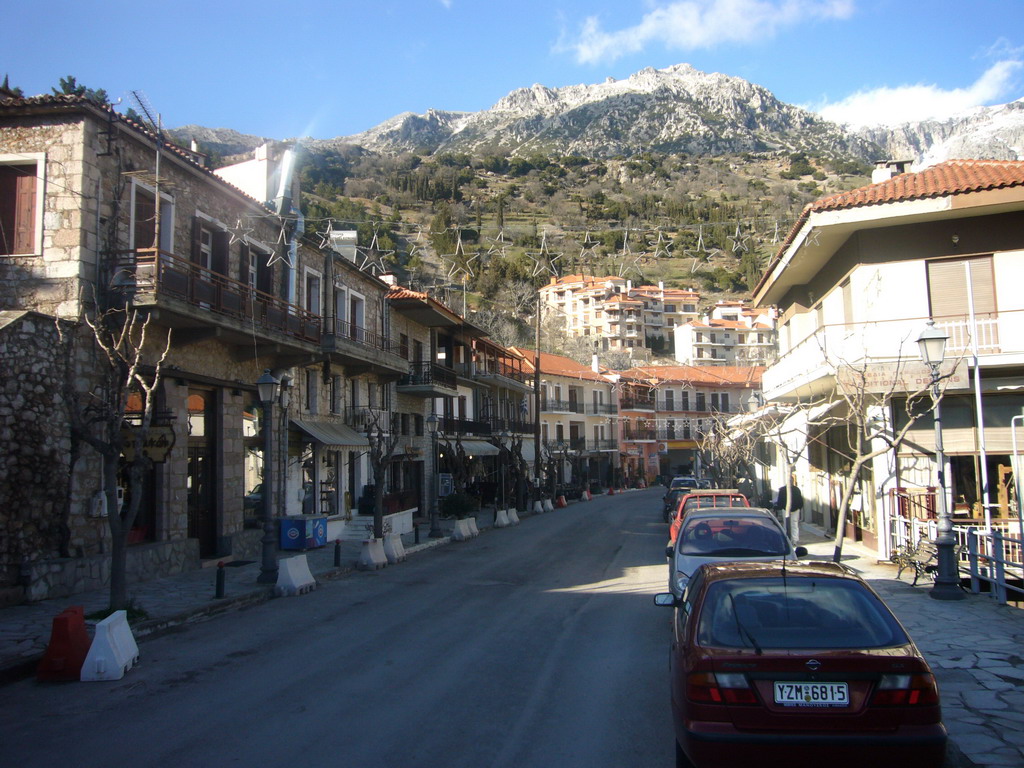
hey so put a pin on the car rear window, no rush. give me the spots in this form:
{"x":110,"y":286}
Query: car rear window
{"x":746,"y":537}
{"x":802,"y":612}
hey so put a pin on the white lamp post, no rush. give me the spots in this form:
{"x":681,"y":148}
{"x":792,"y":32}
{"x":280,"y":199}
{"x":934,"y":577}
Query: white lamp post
{"x":267,"y":387}
{"x":932,"y":346}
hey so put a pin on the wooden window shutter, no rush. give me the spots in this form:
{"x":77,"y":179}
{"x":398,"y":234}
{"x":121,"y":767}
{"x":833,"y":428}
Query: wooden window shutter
{"x":947,"y":287}
{"x":243,"y":263}
{"x":219,"y":260}
{"x":18,"y":209}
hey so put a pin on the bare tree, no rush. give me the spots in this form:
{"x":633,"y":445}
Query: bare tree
{"x":382,"y":444}
{"x":115,"y":418}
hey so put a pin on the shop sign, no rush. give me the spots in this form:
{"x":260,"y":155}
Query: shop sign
{"x":159,"y":441}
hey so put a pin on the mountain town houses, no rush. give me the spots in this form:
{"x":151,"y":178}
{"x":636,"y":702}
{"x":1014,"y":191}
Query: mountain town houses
{"x":383,"y":391}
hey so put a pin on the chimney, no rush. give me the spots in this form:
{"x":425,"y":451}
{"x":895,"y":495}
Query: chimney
{"x":887,"y":169}
{"x":390,"y":278}
{"x":595,"y":366}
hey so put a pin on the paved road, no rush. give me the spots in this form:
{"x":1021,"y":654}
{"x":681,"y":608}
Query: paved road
{"x":531,"y":647}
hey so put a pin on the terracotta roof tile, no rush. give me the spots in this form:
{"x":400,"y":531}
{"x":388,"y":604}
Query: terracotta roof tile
{"x":953,"y":177}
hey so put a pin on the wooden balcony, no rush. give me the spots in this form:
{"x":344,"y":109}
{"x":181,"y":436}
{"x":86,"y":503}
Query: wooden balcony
{"x":199,"y":303}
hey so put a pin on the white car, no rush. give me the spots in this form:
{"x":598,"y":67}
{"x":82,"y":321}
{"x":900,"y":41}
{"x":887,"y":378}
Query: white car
{"x":726,"y":534}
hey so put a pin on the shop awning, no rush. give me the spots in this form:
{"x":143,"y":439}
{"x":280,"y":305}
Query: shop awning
{"x":333,"y":434}
{"x":479,"y":448}
{"x":527,"y":450}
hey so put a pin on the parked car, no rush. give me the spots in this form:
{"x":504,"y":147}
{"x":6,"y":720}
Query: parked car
{"x":683,"y":481}
{"x":726,"y":535}
{"x":671,"y":500}
{"x":796,"y":664}
{"x":700,"y":500}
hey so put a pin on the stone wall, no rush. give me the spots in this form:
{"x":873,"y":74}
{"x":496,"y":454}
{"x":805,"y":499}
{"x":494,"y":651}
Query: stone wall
{"x":35,"y":459}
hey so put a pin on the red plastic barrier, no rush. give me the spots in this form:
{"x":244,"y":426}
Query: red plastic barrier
{"x":69,"y":645}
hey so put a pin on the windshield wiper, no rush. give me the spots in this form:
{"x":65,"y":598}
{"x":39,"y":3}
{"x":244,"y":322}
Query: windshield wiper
{"x":743,"y":630}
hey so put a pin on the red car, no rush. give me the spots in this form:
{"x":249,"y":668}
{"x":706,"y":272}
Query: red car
{"x":783,"y":664}
{"x":701,"y":500}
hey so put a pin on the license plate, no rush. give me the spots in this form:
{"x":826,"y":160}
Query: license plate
{"x":812,"y":694}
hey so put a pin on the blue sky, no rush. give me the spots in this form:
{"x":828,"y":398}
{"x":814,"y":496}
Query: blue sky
{"x":324,"y":69}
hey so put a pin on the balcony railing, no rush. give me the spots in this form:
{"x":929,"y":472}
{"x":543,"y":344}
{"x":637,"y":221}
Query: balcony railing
{"x":639,"y":433}
{"x":455,"y":426}
{"x":490,"y":367}
{"x":342,"y":329}
{"x":637,"y":403}
{"x":161,"y":274}
{"x":426,"y":374}
{"x":601,"y":409}
{"x":561,"y":406}
{"x":512,"y":426}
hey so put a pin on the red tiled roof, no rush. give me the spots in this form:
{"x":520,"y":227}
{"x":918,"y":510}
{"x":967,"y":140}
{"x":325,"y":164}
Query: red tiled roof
{"x":557,"y":365}
{"x":953,"y":177}
{"x":694,"y":374}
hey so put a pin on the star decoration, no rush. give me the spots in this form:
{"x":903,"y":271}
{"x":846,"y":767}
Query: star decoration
{"x":239,"y":233}
{"x":739,"y":241}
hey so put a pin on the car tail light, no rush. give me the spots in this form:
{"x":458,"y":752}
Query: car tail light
{"x":711,"y":688}
{"x":916,"y":690}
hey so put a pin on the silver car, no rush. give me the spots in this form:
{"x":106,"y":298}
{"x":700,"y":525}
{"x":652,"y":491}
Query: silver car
{"x":726,"y":534}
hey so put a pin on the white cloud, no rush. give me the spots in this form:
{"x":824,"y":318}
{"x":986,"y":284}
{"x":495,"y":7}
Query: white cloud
{"x":695,"y":24}
{"x":912,"y":103}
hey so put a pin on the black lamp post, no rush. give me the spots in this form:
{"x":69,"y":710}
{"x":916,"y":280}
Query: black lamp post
{"x":267,"y":387}
{"x":435,"y":523}
{"x":932,"y":345}
{"x":503,"y":438}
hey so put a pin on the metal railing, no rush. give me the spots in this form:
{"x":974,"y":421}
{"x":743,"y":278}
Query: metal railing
{"x":342,"y":329}
{"x":561,"y":406}
{"x":160,"y":273}
{"x":427,"y":373}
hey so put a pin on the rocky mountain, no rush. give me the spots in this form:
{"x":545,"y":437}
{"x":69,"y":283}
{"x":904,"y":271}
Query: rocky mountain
{"x":677,"y":109}
{"x":990,"y":133}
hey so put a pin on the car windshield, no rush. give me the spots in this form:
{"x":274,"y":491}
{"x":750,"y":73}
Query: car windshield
{"x":739,"y":537}
{"x":803,"y":612}
{"x":710,"y":500}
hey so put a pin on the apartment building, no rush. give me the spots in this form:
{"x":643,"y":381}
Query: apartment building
{"x":617,"y":314}
{"x":733,"y":333}
{"x":856,"y":282}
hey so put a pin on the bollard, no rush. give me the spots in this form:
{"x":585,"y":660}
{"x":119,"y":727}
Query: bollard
{"x":219,"y":592}
{"x":337,"y":553}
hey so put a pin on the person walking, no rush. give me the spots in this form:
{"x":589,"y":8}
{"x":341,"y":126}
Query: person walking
{"x":791,"y":512}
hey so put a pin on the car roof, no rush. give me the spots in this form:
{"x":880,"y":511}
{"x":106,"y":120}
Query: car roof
{"x":744,"y":569}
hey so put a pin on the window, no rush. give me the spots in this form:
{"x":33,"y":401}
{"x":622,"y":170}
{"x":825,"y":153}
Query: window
{"x":700,"y":402}
{"x":947,"y":293}
{"x":144,"y":219}
{"x":21,"y":204}
{"x":670,"y":400}
{"x":313,"y":292}
{"x":209,"y":244}
{"x":311,"y":390}
{"x":684,"y":402}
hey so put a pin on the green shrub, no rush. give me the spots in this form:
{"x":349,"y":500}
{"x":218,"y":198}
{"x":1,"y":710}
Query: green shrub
{"x":459,"y":505}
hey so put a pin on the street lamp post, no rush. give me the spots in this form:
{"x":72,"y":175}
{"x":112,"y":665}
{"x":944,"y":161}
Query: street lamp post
{"x":435,"y":523}
{"x":502,"y":439}
{"x":267,"y":387}
{"x":932,"y":346}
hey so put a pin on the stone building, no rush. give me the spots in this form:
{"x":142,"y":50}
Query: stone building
{"x":98,"y":211}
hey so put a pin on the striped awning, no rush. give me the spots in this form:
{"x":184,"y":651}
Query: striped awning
{"x":479,"y":448}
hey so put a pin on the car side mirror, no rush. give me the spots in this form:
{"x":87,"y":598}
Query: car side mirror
{"x":665,"y":600}
{"x":669,"y":551}
{"x":800,"y":551}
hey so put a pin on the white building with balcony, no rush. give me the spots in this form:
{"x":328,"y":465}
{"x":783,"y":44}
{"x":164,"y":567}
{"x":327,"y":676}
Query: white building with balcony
{"x":855,"y":282}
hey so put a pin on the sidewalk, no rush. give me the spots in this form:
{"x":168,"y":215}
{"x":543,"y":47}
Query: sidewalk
{"x":180,"y":599}
{"x":976,"y":650}
{"x":975,"y":647}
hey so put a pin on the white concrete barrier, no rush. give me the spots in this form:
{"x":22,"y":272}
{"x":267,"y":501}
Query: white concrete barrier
{"x":394,"y":549}
{"x":294,"y":577}
{"x":501,"y":519}
{"x":472,"y":526}
{"x":372,"y":555}
{"x":113,"y":651}
{"x":513,"y":516}
{"x":548,"y":506}
{"x":462,"y":531}
{"x":538,"y":507}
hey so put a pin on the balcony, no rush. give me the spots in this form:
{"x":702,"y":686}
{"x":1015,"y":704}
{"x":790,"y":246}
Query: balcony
{"x":561,"y":406}
{"x":602,"y":409}
{"x":633,"y":402}
{"x":639,"y":434}
{"x":512,"y":426}
{"x":428,"y":380}
{"x":175,"y":288}
{"x":451,"y":425}
{"x":810,"y":365}
{"x":361,"y":350}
